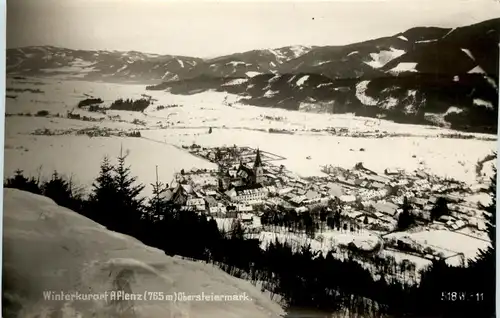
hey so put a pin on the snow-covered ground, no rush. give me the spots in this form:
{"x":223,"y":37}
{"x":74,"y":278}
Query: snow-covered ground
{"x":447,"y":242}
{"x":399,"y":257}
{"x":81,"y":156}
{"x":237,"y":124}
{"x":322,"y":242}
{"x":454,"y":158}
{"x":48,"y":248}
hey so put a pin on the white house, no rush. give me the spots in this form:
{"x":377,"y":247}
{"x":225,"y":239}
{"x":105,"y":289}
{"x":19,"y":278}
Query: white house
{"x":248,"y":195}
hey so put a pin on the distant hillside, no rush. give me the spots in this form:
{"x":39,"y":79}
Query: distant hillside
{"x":445,"y":77}
{"x":137,"y":67}
{"x":427,"y":75}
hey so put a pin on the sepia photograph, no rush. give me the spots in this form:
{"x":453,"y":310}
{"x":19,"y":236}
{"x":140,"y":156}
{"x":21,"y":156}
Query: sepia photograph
{"x":250,"y":159}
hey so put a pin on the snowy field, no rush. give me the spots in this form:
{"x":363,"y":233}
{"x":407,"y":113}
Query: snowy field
{"x":188,"y":123}
{"x":455,"y":158}
{"x":399,"y":257}
{"x":80,"y":255}
{"x":447,"y":242}
{"x":80,"y":156}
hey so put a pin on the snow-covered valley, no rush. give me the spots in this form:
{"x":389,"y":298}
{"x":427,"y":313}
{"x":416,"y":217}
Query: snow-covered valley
{"x":163,"y":131}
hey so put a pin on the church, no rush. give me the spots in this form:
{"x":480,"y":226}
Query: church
{"x":254,"y":176}
{"x":249,"y":182}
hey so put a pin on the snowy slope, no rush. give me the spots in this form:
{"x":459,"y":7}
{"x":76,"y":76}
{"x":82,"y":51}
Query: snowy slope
{"x":50,"y":248}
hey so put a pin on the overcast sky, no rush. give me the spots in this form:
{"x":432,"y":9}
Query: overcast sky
{"x":207,"y":29}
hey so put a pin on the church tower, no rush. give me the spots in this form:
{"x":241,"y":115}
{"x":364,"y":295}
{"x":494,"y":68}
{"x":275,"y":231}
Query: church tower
{"x":258,"y":171}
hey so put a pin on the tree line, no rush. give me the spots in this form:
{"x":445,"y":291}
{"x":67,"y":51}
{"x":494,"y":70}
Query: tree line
{"x":297,"y":277}
{"x":129,"y":104}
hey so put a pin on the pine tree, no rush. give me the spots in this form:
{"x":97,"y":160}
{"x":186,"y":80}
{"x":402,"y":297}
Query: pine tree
{"x":104,"y":185}
{"x":406,"y":218}
{"x":488,"y":255}
{"x":490,"y":216}
{"x":130,"y":204}
{"x":104,"y":194}
{"x":237,"y":231}
{"x":440,"y":209}
{"x":19,"y":181}
{"x":157,"y":203}
{"x":58,"y":190}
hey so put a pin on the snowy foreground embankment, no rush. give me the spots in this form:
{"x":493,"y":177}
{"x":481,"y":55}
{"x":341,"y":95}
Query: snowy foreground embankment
{"x":48,"y":248}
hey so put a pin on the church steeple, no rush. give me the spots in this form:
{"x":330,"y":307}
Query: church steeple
{"x":257,"y":169}
{"x":258,"y":160}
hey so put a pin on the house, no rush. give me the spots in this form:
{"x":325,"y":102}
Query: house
{"x":196,"y":204}
{"x":347,"y":198}
{"x":299,"y":199}
{"x":244,"y":208}
{"x":453,"y":198}
{"x":424,"y":215}
{"x":211,"y":193}
{"x":284,"y":191}
{"x":180,"y":194}
{"x":353,"y":214}
{"x":428,"y":207}
{"x":231,"y":211}
{"x":167,"y":195}
{"x":300,"y":191}
{"x":272,"y":189}
{"x":385,"y":208}
{"x":422,"y":174}
{"x":359,"y":182}
{"x":377,"y":178}
{"x":419,"y":202}
{"x":247,"y":194}
{"x":391,"y":172}
{"x":379,"y":214}
{"x":446,"y":218}
{"x":246,"y":218}
{"x":270,"y":176}
{"x":433,"y":199}
{"x":348,"y":182}
{"x":210,"y":201}
{"x":377,"y":185}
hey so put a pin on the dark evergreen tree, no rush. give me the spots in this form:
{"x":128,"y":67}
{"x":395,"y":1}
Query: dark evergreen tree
{"x":484,"y":266}
{"x":103,"y":198}
{"x":440,"y":208}
{"x":490,"y":218}
{"x":406,"y":218}
{"x":129,"y":204}
{"x":19,"y":181}
{"x":58,"y":189}
{"x":157,"y":204}
{"x":237,"y":231}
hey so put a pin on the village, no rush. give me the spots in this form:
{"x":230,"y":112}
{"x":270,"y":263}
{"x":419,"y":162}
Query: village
{"x":364,"y":207}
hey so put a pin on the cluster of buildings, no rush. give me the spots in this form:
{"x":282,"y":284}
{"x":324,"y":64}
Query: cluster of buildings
{"x":246,"y":182}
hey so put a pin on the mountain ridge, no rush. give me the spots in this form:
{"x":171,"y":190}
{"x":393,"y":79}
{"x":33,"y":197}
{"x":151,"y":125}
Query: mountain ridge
{"x":425,"y":75}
